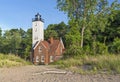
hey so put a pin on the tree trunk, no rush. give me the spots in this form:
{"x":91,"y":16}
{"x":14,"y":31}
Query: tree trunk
{"x":82,"y":36}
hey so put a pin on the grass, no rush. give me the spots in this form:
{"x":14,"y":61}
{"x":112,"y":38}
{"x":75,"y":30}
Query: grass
{"x":91,"y":64}
{"x":11,"y":60}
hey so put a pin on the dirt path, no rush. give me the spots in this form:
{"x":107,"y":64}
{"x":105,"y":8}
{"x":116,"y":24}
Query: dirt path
{"x":49,"y":74}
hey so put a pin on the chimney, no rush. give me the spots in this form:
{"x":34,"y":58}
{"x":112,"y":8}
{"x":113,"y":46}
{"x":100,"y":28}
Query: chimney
{"x":51,"y":40}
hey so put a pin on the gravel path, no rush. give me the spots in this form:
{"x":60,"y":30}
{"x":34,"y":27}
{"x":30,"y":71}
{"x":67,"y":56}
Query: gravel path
{"x":50,"y":74}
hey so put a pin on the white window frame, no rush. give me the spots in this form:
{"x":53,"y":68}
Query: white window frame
{"x":51,"y":59}
{"x":37,"y":58}
{"x":42,"y":58}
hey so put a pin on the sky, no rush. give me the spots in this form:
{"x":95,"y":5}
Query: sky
{"x":19,"y":13}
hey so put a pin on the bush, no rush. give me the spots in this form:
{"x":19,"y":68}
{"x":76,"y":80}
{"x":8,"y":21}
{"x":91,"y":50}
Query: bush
{"x":115,"y":47}
{"x":73,"y":51}
{"x":99,"y":48}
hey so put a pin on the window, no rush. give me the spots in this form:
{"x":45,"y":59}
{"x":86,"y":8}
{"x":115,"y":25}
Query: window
{"x":51,"y":59}
{"x":36,"y":38}
{"x":42,"y":58}
{"x":35,"y":24}
{"x":37,"y":58}
{"x":40,"y":49}
{"x":35,"y":29}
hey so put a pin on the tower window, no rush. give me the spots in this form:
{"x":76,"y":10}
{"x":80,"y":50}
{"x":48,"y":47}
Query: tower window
{"x":35,"y":24}
{"x":36,"y":38}
{"x":35,"y":29}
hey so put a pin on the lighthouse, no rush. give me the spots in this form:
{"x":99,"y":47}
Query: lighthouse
{"x":37,"y":29}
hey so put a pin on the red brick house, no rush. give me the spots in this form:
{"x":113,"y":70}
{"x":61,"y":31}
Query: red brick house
{"x":45,"y":52}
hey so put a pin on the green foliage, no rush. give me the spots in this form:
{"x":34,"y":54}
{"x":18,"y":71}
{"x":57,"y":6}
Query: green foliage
{"x":50,"y":33}
{"x":113,"y":29}
{"x":0,"y":32}
{"x":11,"y":60}
{"x":109,"y":63}
{"x":91,"y":18}
{"x":72,"y":37}
{"x":73,"y":50}
{"x":56,"y":30}
{"x":115,"y":47}
{"x":92,"y":29}
{"x":88,"y":14}
{"x":100,"y":48}
{"x":27,"y":44}
{"x":11,"y":40}
{"x":16,"y":41}
{"x":91,"y":64}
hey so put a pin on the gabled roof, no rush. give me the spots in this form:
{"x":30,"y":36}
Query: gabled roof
{"x":45,"y":44}
{"x":51,"y":47}
{"x":54,"y":46}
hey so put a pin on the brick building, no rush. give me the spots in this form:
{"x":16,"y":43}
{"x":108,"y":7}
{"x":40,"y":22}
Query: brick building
{"x":44,"y":52}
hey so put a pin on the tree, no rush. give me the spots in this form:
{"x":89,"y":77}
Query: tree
{"x":113,"y":30}
{"x":11,"y":41}
{"x":50,"y":33}
{"x":0,"y":39}
{"x":73,"y":36}
{"x":56,"y":30}
{"x":61,"y":29}
{"x":27,"y":43}
{"x":89,"y":14}
{"x":72,"y":40}
{"x":0,"y":32}
{"x":23,"y":45}
{"x":115,"y":47}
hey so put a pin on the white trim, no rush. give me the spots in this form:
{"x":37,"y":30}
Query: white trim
{"x":36,"y":45}
{"x":51,"y":59}
{"x":62,"y":43}
{"x":42,"y":58}
{"x":37,"y":59}
{"x":43,"y":45}
{"x":59,"y":44}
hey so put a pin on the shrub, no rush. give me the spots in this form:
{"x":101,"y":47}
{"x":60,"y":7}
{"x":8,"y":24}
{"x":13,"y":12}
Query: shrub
{"x":100,"y":48}
{"x":115,"y":47}
{"x":73,"y":51}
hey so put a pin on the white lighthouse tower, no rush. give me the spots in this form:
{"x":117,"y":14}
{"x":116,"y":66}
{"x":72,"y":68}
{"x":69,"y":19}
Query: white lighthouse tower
{"x":37,"y":29}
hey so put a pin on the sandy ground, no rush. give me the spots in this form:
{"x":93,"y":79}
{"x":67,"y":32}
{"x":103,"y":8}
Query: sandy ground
{"x":50,"y":74}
